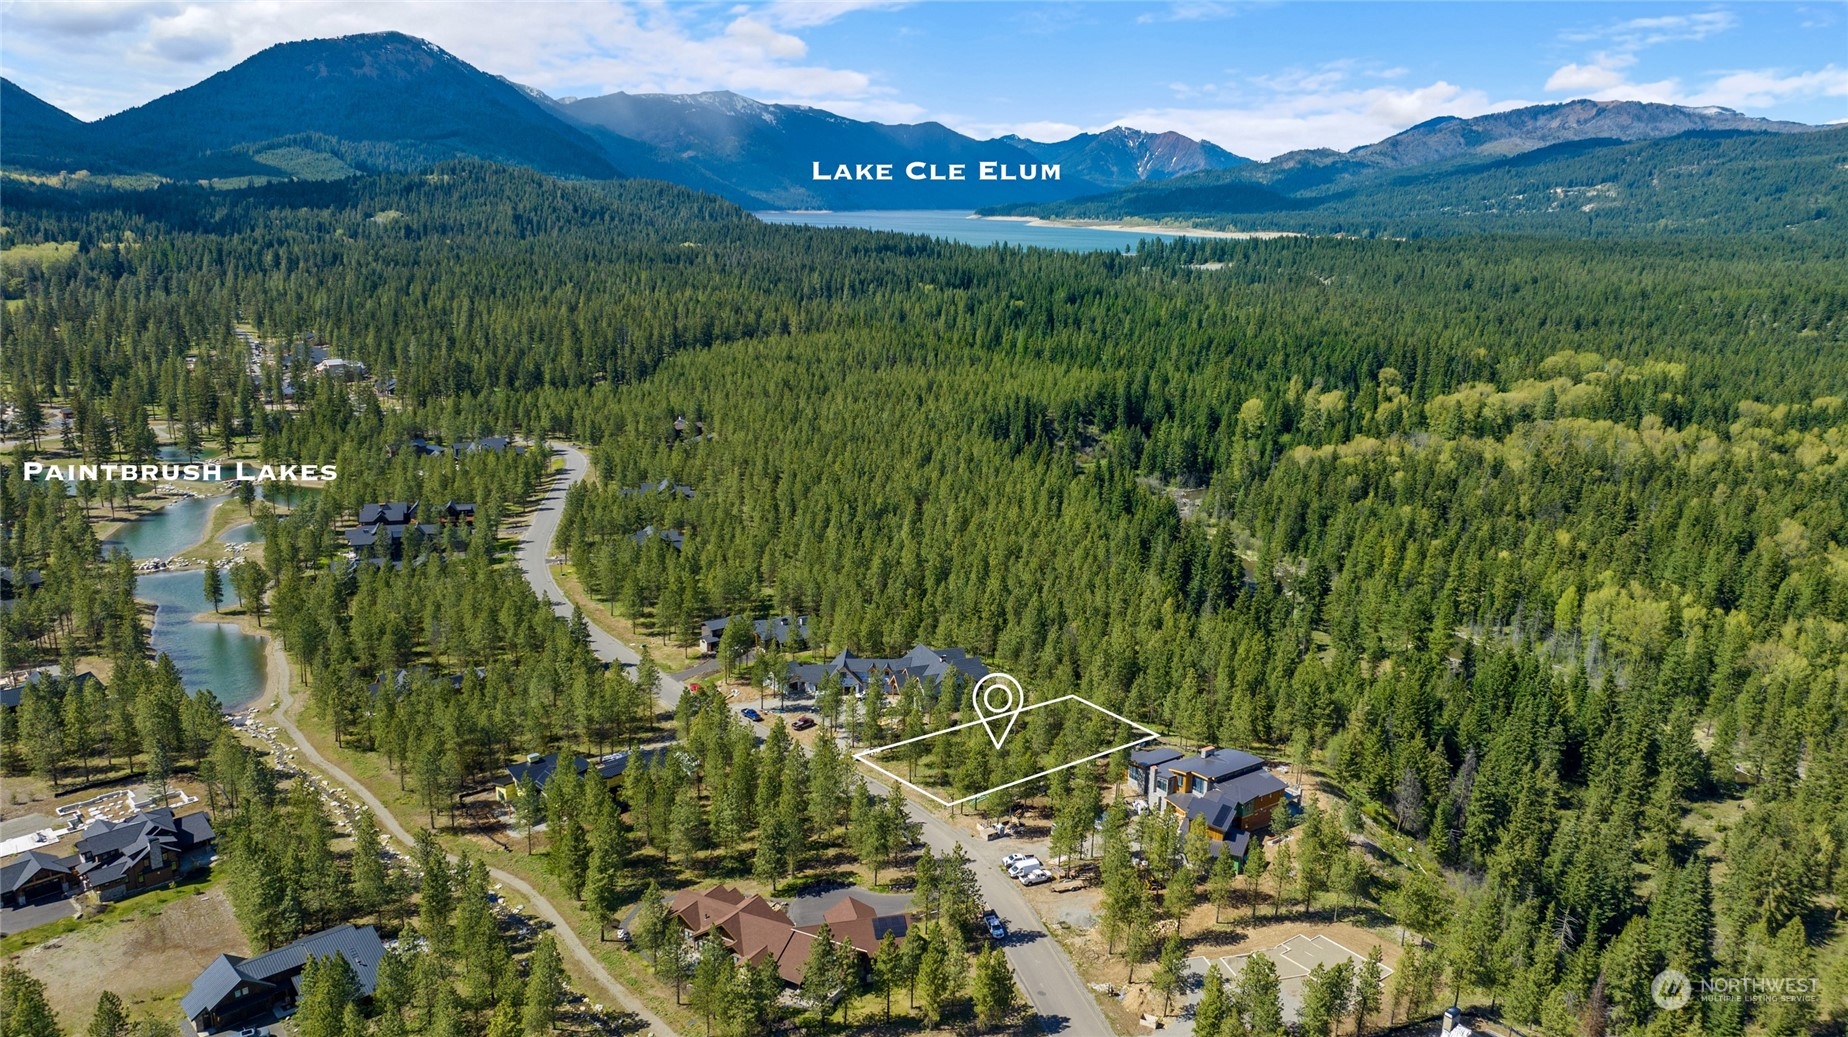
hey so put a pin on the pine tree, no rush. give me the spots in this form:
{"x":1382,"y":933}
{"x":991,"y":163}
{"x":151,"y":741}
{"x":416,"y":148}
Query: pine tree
{"x":1367,"y":991}
{"x":545,"y":982}
{"x":370,"y":888}
{"x":1170,"y":970}
{"x":1214,"y":1005}
{"x":110,"y":1018}
{"x":214,"y":585}
{"x":24,"y":1012}
{"x":713,"y":980}
{"x":1260,"y":996}
{"x":994,"y":993}
{"x":888,"y":969}
{"x":821,"y":974}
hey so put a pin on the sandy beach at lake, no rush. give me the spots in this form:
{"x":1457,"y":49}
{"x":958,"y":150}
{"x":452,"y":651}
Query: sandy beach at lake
{"x":1143,"y":228}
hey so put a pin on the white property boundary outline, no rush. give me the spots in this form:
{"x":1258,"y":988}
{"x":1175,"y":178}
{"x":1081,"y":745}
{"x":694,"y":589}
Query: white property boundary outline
{"x":862,"y":755}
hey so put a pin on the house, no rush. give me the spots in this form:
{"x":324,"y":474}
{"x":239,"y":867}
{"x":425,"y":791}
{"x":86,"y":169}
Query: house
{"x":667,"y":486}
{"x":35,"y":877}
{"x":486,"y":445}
{"x":234,"y":990}
{"x":390,"y":513}
{"x":1226,"y":790}
{"x":117,"y":859}
{"x":923,"y":664}
{"x":14,"y":583}
{"x":673,"y":538}
{"x":401,"y":680}
{"x":457,"y":511}
{"x":782,"y":630}
{"x":756,"y":930}
{"x":341,"y":368}
{"x":11,"y":694}
{"x":1142,"y":765}
{"x":541,"y":768}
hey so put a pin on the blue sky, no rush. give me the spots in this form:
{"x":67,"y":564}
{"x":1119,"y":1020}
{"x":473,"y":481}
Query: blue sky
{"x":1256,"y":78}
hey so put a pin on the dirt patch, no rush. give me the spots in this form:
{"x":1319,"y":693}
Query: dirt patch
{"x":149,"y":960}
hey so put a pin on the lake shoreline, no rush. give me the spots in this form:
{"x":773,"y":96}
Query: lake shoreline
{"x":1141,"y":228}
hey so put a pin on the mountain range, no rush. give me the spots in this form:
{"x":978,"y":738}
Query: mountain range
{"x":388,"y":101}
{"x":1576,"y":166}
{"x":326,"y":108}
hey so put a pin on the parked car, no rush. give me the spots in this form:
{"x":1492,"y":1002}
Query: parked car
{"x":253,"y":1032}
{"x":1014,"y":858}
{"x":803,"y":723}
{"x":1035,"y":877}
{"x":997,"y":929}
{"x":752,"y":715}
{"x":1021,"y":867}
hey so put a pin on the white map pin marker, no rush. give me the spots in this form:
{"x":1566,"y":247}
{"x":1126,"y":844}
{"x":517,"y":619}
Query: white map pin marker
{"x":998,"y":695}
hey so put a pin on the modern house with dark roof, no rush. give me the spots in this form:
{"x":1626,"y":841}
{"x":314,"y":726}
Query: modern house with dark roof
{"x":1142,"y":764}
{"x":754,"y":929}
{"x":673,"y":538}
{"x":541,"y":768}
{"x":14,"y":583}
{"x":1227,"y":790}
{"x":391,"y":513}
{"x":667,"y":486}
{"x":234,"y":990}
{"x":35,"y":877}
{"x":117,"y":859}
{"x":786,"y":631}
{"x":11,"y":694}
{"x":401,"y":680}
{"x":486,"y":445}
{"x":923,"y":664}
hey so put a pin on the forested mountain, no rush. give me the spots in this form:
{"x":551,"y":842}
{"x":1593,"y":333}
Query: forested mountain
{"x":1121,"y":155}
{"x":375,"y":101}
{"x":41,"y":136}
{"x":1535,"y":547}
{"x":1697,"y":182}
{"x":765,"y":153}
{"x":402,"y":101}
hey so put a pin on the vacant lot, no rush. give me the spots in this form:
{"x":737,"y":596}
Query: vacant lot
{"x":149,"y":960}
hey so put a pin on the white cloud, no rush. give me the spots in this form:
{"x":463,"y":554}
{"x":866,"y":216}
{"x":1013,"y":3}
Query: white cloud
{"x":1638,"y":33}
{"x":96,"y":58}
{"x":1339,"y":104}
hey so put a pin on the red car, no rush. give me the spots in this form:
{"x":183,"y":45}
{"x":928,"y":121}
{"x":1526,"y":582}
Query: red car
{"x":803,"y":723}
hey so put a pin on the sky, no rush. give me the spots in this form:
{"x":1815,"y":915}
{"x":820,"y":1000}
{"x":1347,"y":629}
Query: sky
{"x":1257,"y":78}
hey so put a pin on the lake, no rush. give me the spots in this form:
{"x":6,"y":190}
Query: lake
{"x":956,"y":225}
{"x":209,"y":654}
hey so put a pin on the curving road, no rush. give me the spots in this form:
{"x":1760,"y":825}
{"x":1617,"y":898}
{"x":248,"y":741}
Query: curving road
{"x":1043,"y":969}
{"x":536,"y":545}
{"x":535,"y":903}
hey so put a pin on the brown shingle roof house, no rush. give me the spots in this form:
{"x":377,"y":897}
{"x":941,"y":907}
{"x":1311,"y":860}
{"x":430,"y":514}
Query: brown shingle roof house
{"x":755,"y":929}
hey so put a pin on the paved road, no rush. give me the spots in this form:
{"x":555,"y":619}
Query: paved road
{"x":1045,"y":971}
{"x":535,"y":904}
{"x":536,"y":545}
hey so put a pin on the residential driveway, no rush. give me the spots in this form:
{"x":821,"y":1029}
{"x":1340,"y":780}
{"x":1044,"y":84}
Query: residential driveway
{"x":19,"y":919}
{"x":695,"y":672}
{"x":808,"y":908}
{"x":536,"y":544}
